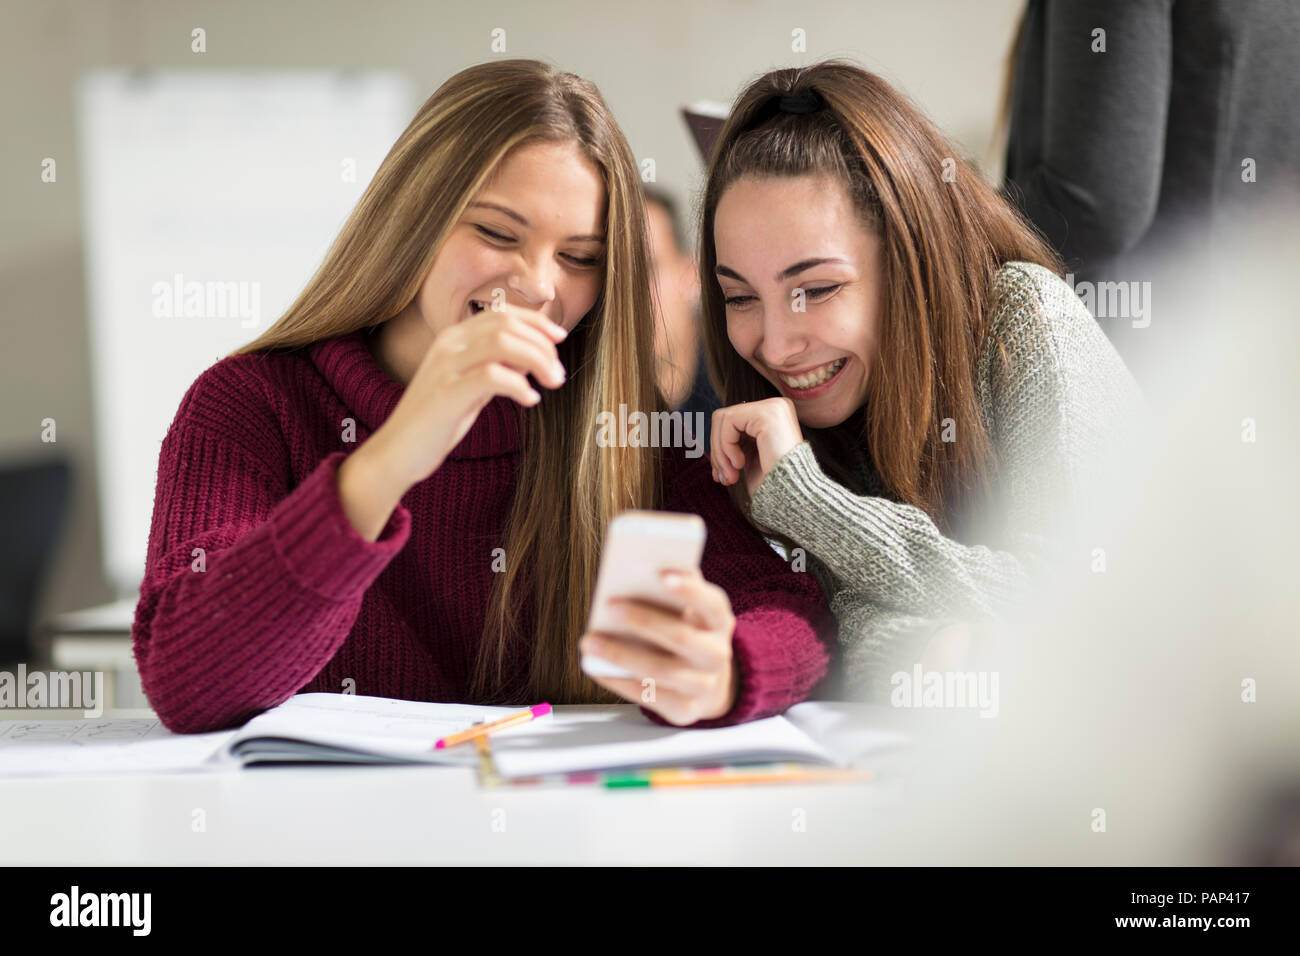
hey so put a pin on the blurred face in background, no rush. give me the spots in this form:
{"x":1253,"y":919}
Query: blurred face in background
{"x":677,"y":291}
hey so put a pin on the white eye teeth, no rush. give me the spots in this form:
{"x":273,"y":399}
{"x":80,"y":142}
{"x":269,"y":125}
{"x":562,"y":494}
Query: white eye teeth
{"x":813,"y":379}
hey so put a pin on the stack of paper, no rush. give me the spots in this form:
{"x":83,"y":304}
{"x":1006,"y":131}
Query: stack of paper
{"x":350,"y":729}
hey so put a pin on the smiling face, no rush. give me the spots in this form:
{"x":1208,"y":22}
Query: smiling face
{"x":535,"y":231}
{"x":774,"y":237}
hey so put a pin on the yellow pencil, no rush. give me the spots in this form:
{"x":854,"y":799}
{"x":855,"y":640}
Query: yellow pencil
{"x":487,"y":775}
{"x":779,"y":774}
{"x":479,"y":730}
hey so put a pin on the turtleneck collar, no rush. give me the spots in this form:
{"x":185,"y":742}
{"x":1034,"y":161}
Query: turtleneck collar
{"x":364,"y":387}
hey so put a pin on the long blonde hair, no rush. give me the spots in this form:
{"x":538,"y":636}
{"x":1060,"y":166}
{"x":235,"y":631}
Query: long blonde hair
{"x":568,"y":489}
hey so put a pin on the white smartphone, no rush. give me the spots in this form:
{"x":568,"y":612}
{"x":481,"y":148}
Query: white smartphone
{"x":639,"y":546}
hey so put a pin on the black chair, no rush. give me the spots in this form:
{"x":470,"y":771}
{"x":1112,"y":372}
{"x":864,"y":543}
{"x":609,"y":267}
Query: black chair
{"x":33,"y":504}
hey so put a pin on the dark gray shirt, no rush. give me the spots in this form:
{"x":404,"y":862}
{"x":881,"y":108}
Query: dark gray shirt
{"x":1120,"y":155}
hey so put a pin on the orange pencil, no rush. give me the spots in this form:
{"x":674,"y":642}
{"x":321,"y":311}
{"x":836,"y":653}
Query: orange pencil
{"x":713,"y":776}
{"x":478,"y":730}
{"x":675,"y":778}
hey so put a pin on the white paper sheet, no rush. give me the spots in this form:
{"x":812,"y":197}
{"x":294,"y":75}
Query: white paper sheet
{"x":103,"y":745}
{"x":854,"y":733}
{"x":628,"y":739}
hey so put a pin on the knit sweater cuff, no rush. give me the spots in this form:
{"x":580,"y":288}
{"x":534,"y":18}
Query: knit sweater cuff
{"x":318,"y":544}
{"x":767,"y":677}
{"x":792,"y":496}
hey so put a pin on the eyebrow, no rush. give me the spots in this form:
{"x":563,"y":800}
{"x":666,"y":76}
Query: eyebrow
{"x":524,"y":222}
{"x":785,"y":273}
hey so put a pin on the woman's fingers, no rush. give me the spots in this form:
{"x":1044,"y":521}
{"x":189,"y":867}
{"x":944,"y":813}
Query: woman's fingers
{"x":679,"y":709}
{"x":682,"y":658}
{"x":748,"y":439}
{"x":701,"y":644}
{"x":659,"y":626}
{"x":646,"y":661}
{"x":512,"y":342}
{"x":493,"y":378}
{"x":726,"y":453}
{"x":552,"y":330}
{"x":470,"y":361}
{"x":533,"y":326}
{"x":705,"y":603}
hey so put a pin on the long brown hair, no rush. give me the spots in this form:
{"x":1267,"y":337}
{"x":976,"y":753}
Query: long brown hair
{"x":374,"y":269}
{"x":942,"y":242}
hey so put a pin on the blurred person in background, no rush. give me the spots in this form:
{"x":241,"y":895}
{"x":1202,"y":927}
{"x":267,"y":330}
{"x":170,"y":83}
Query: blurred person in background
{"x":679,"y":356}
{"x":1140,"y":128}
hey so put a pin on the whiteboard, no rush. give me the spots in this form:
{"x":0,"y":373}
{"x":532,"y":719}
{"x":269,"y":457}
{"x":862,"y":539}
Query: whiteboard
{"x":232,"y":183}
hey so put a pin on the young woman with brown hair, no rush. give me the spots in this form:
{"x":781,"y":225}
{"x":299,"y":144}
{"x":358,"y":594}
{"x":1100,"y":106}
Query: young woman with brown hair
{"x":372,"y":497}
{"x":898,"y":358}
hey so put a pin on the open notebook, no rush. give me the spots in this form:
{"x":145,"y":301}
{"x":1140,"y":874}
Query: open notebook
{"x":350,"y":729}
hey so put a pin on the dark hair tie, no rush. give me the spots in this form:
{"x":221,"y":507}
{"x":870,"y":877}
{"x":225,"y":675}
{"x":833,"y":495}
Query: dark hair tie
{"x":803,"y":102}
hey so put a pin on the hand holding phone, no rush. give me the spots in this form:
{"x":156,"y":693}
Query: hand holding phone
{"x":639,"y":547}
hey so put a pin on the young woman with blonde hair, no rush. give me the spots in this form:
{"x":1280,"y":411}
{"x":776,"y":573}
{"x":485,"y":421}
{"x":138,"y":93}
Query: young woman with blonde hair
{"x":372,"y":497}
{"x":912,"y":392}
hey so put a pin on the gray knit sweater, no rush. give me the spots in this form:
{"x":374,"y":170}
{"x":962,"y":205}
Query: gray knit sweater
{"x":893,"y":579}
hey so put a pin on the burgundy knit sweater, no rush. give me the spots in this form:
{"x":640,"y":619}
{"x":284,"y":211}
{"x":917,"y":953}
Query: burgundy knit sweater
{"x":258,"y":587}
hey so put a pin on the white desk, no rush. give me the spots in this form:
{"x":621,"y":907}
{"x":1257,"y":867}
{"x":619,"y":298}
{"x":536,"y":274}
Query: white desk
{"x":99,"y":639}
{"x":417,"y":815}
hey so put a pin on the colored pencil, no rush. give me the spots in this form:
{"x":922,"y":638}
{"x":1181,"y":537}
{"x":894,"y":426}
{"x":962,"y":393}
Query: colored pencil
{"x":478,"y":730}
{"x":694,"y":776}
